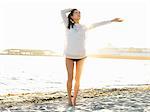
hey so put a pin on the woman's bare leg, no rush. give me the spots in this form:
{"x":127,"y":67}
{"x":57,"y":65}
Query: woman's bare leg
{"x":79,"y":67}
{"x":69,"y":66}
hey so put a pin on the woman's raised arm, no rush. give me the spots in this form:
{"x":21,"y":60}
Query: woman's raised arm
{"x":94,"y":25}
{"x":64,"y":17}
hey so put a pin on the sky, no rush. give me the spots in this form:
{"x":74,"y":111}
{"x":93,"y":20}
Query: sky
{"x":37,"y":24}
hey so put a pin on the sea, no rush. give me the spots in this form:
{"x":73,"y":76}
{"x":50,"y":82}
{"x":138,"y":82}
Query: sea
{"x":21,"y":74}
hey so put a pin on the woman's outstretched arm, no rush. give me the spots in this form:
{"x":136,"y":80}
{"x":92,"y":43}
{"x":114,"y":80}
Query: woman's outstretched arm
{"x":64,"y":17}
{"x":94,"y":25}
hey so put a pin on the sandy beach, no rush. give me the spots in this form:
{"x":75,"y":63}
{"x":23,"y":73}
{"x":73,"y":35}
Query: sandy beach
{"x":123,"y":99}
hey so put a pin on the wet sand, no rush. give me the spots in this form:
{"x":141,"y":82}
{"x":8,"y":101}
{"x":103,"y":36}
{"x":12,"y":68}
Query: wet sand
{"x":124,"y":99}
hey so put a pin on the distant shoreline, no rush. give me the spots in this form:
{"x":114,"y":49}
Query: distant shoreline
{"x":99,"y":56}
{"x":122,"y":57}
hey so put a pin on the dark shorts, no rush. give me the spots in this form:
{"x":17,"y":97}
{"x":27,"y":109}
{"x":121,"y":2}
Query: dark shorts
{"x":77,"y":59}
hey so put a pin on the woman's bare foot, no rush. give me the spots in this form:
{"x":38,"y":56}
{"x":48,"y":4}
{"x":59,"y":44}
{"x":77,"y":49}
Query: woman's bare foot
{"x":73,"y":102}
{"x":70,"y":103}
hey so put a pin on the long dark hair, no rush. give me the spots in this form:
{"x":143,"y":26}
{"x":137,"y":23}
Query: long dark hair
{"x":70,"y":20}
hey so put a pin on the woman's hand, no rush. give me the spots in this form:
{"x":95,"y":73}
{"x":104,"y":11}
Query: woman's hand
{"x":117,"y":20}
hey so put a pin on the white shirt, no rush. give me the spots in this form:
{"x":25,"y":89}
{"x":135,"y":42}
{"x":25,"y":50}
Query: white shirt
{"x":74,"y":46}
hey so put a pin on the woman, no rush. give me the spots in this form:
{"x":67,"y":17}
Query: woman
{"x":75,"y":47}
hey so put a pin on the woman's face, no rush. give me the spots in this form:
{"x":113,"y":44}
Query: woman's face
{"x":76,"y":15}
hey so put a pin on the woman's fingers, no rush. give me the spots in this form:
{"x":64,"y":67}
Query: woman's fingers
{"x":117,"y":20}
{"x":120,"y":20}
